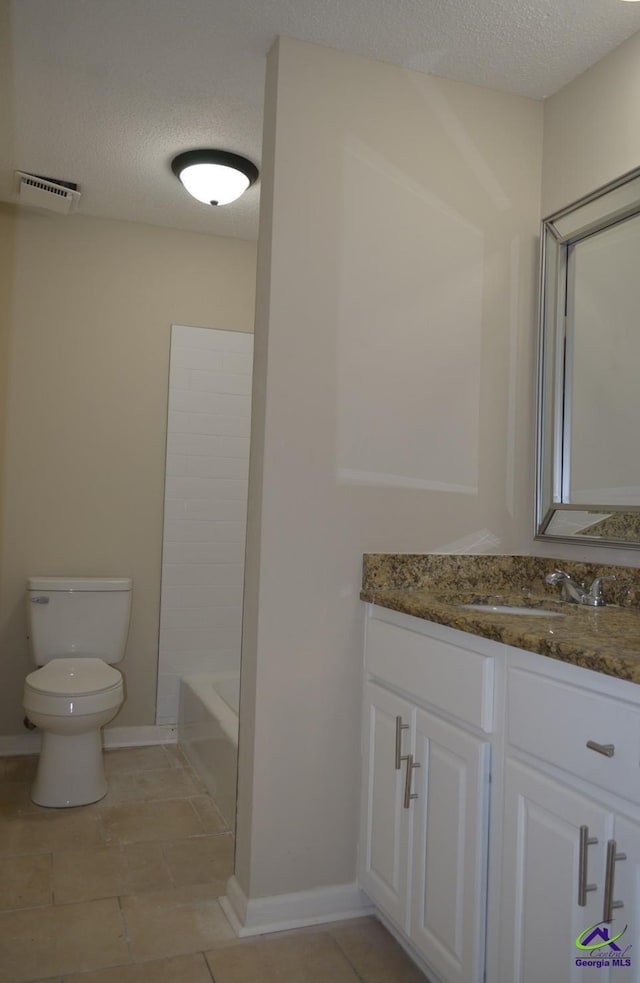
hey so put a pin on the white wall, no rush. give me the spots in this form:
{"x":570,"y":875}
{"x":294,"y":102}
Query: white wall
{"x":393,"y":404}
{"x":205,"y":507}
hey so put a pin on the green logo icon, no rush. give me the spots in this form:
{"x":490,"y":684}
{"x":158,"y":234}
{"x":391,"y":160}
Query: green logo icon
{"x":597,"y":937}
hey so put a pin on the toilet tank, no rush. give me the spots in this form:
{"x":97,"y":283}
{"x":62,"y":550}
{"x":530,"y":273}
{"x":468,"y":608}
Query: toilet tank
{"x":79,"y":616}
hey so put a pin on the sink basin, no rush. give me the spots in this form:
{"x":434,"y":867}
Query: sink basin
{"x":512,"y":609}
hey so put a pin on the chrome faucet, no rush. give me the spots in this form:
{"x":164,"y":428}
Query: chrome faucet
{"x":577,"y":593}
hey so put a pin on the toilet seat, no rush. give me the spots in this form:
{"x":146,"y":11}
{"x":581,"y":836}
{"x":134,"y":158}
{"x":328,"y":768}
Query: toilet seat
{"x":68,"y":687}
{"x":74,"y":677}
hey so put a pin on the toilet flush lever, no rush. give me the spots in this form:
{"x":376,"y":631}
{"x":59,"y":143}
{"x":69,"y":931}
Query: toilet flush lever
{"x":39,"y":600}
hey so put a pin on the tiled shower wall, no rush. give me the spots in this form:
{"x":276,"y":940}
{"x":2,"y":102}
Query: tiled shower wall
{"x":205,"y":507}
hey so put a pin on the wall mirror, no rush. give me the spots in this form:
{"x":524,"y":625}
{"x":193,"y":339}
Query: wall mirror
{"x":588,"y":449}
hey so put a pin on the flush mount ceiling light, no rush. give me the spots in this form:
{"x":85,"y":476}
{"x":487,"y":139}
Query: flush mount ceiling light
{"x":214,"y":177}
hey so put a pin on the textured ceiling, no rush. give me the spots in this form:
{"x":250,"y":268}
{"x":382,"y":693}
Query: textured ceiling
{"x":106,"y":92}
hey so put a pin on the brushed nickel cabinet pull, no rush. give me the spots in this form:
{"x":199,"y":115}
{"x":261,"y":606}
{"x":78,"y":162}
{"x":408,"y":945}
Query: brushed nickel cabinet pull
{"x":583,"y":887}
{"x":408,"y":795}
{"x":399,"y":728}
{"x":609,"y":882}
{"x":607,"y":749}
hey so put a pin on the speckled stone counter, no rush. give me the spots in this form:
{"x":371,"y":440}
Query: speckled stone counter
{"x":434,"y":586}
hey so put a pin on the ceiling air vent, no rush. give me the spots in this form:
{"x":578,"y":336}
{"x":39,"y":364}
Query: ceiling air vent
{"x":46,"y":192}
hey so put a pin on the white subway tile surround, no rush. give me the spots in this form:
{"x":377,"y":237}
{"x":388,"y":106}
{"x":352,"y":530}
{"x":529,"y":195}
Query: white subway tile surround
{"x":207,"y":470}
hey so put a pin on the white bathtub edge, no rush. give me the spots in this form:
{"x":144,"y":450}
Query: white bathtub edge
{"x":208,"y":735}
{"x":261,"y":916}
{"x":199,"y":685}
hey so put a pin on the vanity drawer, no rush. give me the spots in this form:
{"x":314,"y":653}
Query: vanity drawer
{"x":554,"y":722}
{"x":451,"y":679}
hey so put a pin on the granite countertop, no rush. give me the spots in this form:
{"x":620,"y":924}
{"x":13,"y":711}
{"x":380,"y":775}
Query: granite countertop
{"x":434,"y":586}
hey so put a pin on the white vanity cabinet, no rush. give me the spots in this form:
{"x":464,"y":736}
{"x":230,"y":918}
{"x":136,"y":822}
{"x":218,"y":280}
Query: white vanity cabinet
{"x":448,"y":856}
{"x":571,"y":824}
{"x":428,"y":714}
{"x":385,"y":874}
{"x":499,"y":890}
{"x":542,"y":870}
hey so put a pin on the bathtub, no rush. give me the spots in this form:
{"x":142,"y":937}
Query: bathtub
{"x":208,"y":733}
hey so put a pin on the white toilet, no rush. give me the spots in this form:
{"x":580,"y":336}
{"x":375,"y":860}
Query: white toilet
{"x":77,"y":629}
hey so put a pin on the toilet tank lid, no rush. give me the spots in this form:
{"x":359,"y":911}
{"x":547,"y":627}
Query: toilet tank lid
{"x":79,"y":583}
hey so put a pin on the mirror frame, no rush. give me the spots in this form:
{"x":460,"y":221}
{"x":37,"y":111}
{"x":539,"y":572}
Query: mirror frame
{"x":603,"y":208}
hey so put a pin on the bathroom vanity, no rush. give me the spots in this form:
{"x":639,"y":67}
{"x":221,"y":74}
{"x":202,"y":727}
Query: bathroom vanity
{"x":500,"y":818}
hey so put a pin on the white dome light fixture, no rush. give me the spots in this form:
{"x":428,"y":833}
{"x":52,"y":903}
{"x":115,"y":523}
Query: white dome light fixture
{"x":214,"y":177}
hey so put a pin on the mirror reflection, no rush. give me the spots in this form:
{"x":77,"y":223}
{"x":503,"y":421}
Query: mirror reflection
{"x":602,"y":396}
{"x":588,"y":465}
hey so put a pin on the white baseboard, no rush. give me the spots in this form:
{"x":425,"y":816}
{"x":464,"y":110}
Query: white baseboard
{"x":260,"y":916}
{"x":140,"y":736}
{"x":113,"y":737}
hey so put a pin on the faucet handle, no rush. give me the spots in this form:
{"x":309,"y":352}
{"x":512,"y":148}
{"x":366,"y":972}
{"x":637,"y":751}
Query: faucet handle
{"x":556,"y":577}
{"x":595,"y":591}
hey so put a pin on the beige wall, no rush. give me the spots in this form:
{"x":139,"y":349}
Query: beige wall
{"x":394,"y":204}
{"x":591,"y":133}
{"x":591,"y":137}
{"x":90,"y":304}
{"x":7,"y":224}
{"x":7,"y":246}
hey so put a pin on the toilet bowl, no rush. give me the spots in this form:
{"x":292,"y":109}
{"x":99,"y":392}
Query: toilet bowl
{"x":70,"y":700}
{"x":72,"y":623}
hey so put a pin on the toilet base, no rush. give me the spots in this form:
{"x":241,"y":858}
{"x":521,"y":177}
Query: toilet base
{"x":70,"y":770}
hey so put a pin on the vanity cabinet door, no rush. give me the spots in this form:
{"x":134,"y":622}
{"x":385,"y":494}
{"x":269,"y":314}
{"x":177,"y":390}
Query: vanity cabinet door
{"x":541,"y":871}
{"x":450,"y":838}
{"x":385,"y":833}
{"x":625,"y":883}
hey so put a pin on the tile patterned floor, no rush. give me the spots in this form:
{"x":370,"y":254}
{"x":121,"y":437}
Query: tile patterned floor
{"x":124,"y":891}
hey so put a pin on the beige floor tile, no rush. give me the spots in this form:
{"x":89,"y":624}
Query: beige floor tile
{"x":176,"y":756}
{"x":198,"y":782}
{"x":146,"y":867}
{"x":123,"y":787}
{"x":19,"y":768}
{"x":48,"y":830}
{"x":201,"y":859}
{"x":135,"y":759}
{"x":25,"y":882}
{"x":15,"y":799}
{"x":301,"y":958}
{"x":374,"y":953}
{"x":168,"y":783}
{"x":144,"y":821}
{"x":180,"y":969}
{"x":172,"y":923}
{"x":211,"y":819}
{"x":44,"y":942}
{"x":83,"y":875}
{"x":150,"y":785}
